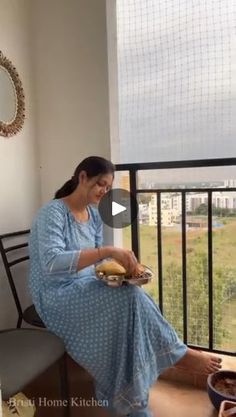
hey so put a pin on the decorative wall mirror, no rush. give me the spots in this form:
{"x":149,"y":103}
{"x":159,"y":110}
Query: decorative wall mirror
{"x":12,"y":99}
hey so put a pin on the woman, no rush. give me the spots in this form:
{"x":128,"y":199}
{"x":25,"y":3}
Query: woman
{"x":117,"y":334}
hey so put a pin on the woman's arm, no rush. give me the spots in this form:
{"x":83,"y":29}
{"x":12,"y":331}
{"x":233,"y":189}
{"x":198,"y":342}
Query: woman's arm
{"x":48,"y":241}
{"x":91,"y":256}
{"x":56,"y":259}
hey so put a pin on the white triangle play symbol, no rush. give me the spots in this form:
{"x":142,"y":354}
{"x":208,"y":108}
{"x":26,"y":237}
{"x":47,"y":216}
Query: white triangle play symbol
{"x":117,"y":208}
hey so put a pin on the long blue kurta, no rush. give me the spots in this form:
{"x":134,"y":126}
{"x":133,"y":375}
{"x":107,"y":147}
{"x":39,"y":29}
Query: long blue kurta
{"x":117,"y":334}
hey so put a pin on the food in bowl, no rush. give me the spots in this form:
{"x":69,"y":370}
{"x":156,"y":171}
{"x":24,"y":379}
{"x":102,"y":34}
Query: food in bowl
{"x":226,"y":386}
{"x":221,"y":386}
{"x":115,"y":275}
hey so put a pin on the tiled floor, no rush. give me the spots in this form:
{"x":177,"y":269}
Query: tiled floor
{"x":167,"y":398}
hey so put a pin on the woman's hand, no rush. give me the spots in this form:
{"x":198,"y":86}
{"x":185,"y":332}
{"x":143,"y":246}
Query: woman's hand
{"x":126,"y":258}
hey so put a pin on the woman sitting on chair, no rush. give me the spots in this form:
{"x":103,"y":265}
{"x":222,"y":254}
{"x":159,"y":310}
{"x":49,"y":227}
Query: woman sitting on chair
{"x":117,"y":334}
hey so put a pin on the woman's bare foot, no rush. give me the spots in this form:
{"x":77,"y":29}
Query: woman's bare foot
{"x":199,"y":362}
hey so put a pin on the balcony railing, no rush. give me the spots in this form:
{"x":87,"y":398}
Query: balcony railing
{"x":133,"y":170}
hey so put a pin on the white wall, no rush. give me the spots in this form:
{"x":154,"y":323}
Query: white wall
{"x":70,"y":55}
{"x":19,"y":174}
{"x":59,"y":48}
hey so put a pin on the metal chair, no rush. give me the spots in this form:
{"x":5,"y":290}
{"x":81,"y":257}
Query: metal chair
{"x":27,"y":353}
{"x":11,"y":256}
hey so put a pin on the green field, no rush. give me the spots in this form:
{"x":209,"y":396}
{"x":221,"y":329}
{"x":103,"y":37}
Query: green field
{"x":224,"y":275}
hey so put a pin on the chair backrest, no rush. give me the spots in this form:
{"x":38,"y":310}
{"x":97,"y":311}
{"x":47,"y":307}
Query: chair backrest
{"x":11,"y":256}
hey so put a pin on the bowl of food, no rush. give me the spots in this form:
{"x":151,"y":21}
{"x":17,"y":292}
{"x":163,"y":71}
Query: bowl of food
{"x":221,"y":386}
{"x":115,"y":275}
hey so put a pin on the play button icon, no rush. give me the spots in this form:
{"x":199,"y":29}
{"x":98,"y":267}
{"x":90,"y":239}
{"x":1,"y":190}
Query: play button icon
{"x":118,"y":208}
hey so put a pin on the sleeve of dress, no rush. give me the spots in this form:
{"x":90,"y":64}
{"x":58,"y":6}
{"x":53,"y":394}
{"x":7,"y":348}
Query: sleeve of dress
{"x":99,"y":232}
{"x":54,"y":257}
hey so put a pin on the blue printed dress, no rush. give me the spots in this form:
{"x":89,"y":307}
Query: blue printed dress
{"x":117,"y":334}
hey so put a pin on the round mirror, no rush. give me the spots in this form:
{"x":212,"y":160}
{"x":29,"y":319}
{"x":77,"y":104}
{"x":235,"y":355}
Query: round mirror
{"x":12,"y":104}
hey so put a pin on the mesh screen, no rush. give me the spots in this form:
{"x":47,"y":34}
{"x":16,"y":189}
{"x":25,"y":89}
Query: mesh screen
{"x":177,"y":86}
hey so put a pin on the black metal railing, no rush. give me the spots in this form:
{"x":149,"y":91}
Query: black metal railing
{"x":133,"y":170}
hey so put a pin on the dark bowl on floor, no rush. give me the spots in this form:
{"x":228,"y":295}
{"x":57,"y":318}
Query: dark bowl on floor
{"x":215,"y":395}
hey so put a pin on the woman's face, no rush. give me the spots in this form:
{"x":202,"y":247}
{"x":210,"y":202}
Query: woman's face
{"x":96,"y":187}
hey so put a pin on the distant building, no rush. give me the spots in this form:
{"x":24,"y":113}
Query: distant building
{"x":143,"y":213}
{"x":171,"y":207}
{"x":169,"y":215}
{"x":194,"y":200}
{"x":219,"y":199}
{"x":230,"y":183}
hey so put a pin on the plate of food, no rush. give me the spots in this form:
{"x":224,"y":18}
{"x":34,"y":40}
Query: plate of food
{"x":115,"y":275}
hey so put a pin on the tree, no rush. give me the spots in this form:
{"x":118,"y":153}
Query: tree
{"x":201,"y":210}
{"x":145,"y":198}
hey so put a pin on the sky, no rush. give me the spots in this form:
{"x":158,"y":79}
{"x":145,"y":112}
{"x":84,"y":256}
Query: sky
{"x":176,"y":80}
